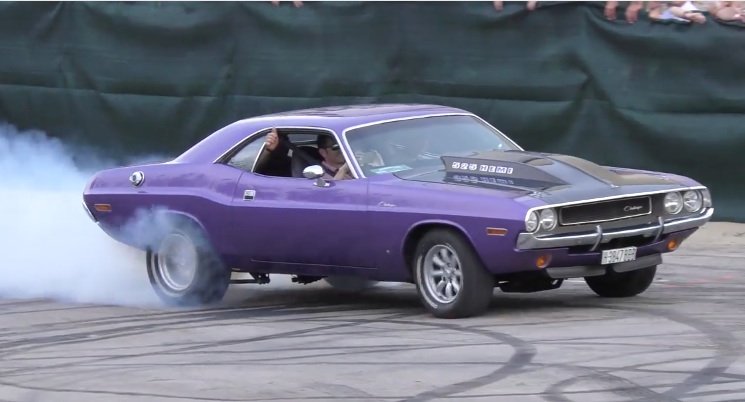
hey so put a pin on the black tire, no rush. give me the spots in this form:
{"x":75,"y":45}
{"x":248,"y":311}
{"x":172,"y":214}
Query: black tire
{"x":476,"y":283}
{"x":349,"y":283}
{"x":210,"y":279}
{"x":623,"y":284}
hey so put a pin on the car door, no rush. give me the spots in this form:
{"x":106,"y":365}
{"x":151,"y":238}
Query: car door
{"x":287,"y":223}
{"x":290,"y":223}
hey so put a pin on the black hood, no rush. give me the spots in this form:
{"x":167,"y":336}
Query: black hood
{"x":543,"y":175}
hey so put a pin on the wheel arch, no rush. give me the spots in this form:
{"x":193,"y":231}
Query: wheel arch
{"x":419,"y":229}
{"x":166,"y":218}
{"x":184,"y":216}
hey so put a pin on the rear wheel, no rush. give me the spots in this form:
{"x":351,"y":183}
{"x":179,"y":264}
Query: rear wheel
{"x":183,"y":268}
{"x":622,"y":284}
{"x":450,"y":278}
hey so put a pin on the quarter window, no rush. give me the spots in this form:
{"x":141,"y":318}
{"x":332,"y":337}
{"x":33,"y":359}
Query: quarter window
{"x":245,"y":158}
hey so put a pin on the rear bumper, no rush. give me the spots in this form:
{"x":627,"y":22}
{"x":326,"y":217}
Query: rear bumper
{"x":90,"y":214}
{"x":529,"y":241}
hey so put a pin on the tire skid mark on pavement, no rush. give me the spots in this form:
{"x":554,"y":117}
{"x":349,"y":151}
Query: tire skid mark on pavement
{"x":100,"y":334}
{"x":700,"y":281}
{"x":318,"y":301}
{"x":622,"y":387}
{"x":724,"y":342}
{"x":520,"y":361}
{"x":730,"y":351}
{"x":15,"y":311}
{"x":303,"y":309}
{"x":339,"y":324}
{"x":107,"y":334}
{"x":524,"y":352}
{"x":523,"y":355}
{"x":156,"y":322}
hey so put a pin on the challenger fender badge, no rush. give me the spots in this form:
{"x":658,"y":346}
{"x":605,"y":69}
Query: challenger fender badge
{"x":137,"y":178}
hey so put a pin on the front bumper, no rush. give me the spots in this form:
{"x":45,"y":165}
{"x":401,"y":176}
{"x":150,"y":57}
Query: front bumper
{"x":582,"y":271}
{"x":531,"y":241}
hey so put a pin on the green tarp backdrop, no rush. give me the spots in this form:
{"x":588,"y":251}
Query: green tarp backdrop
{"x":155,"y":77}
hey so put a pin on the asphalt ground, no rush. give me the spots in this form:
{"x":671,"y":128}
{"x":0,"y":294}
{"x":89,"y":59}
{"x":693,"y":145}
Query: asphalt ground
{"x":682,"y":340}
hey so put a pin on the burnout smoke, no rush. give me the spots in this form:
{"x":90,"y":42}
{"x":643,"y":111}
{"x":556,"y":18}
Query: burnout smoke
{"x":49,"y":248}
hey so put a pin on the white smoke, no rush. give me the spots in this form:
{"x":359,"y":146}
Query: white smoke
{"x":49,"y":248}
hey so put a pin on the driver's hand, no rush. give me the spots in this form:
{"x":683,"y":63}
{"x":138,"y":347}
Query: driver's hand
{"x":272,"y":140}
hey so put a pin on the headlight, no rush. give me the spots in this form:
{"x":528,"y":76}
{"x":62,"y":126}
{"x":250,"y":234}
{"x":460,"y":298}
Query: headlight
{"x":706,"y":195}
{"x":531,"y":222}
{"x":692,"y":201}
{"x":673,"y":203}
{"x":548,"y":219}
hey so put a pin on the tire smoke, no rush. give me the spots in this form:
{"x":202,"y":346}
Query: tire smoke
{"x":49,"y":248}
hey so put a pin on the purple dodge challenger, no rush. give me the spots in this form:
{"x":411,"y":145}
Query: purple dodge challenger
{"x":438,"y":197}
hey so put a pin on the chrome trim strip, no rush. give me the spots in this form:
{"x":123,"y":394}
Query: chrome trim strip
{"x":423,"y":116}
{"x":88,"y":211}
{"x":688,"y":223}
{"x":645,"y":231}
{"x":661,"y":222}
{"x":357,"y":174}
{"x":238,"y":144}
{"x":561,"y":213}
{"x":612,"y":197}
{"x":531,"y":241}
{"x":599,"y":230}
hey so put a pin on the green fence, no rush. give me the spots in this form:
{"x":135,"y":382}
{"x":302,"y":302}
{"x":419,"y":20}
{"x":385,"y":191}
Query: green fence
{"x":156,"y":77}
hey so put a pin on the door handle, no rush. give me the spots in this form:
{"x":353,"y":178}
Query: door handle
{"x":248,"y":195}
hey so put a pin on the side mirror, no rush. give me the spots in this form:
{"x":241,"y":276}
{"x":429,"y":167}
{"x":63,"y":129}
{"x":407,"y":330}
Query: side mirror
{"x":315,"y":172}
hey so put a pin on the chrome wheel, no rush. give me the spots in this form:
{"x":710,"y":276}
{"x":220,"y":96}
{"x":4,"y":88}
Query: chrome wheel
{"x":177,"y":262}
{"x":184,"y":269}
{"x":442,"y":273}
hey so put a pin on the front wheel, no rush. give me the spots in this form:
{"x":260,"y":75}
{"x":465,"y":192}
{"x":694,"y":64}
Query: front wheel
{"x":184,"y":270}
{"x":450,"y":278}
{"x":622,"y":284}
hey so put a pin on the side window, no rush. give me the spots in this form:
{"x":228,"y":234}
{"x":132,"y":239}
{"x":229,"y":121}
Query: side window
{"x":304,"y":152}
{"x":306,"y":142}
{"x":244,"y":159}
{"x":283,"y":161}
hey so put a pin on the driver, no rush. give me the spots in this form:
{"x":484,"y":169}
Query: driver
{"x":333,"y":159}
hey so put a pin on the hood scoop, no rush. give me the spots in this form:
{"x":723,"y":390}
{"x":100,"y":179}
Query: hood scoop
{"x":501,"y":168}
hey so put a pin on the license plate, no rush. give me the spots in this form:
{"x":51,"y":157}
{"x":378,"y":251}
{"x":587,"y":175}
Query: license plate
{"x":618,"y":255}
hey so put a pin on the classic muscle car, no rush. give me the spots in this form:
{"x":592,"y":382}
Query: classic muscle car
{"x":437,"y":197}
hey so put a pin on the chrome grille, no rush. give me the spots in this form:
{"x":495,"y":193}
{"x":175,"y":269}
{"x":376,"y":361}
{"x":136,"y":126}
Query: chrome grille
{"x":605,"y":211}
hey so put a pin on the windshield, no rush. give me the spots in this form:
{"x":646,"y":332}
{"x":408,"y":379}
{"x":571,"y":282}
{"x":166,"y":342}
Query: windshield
{"x":418,"y":143}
